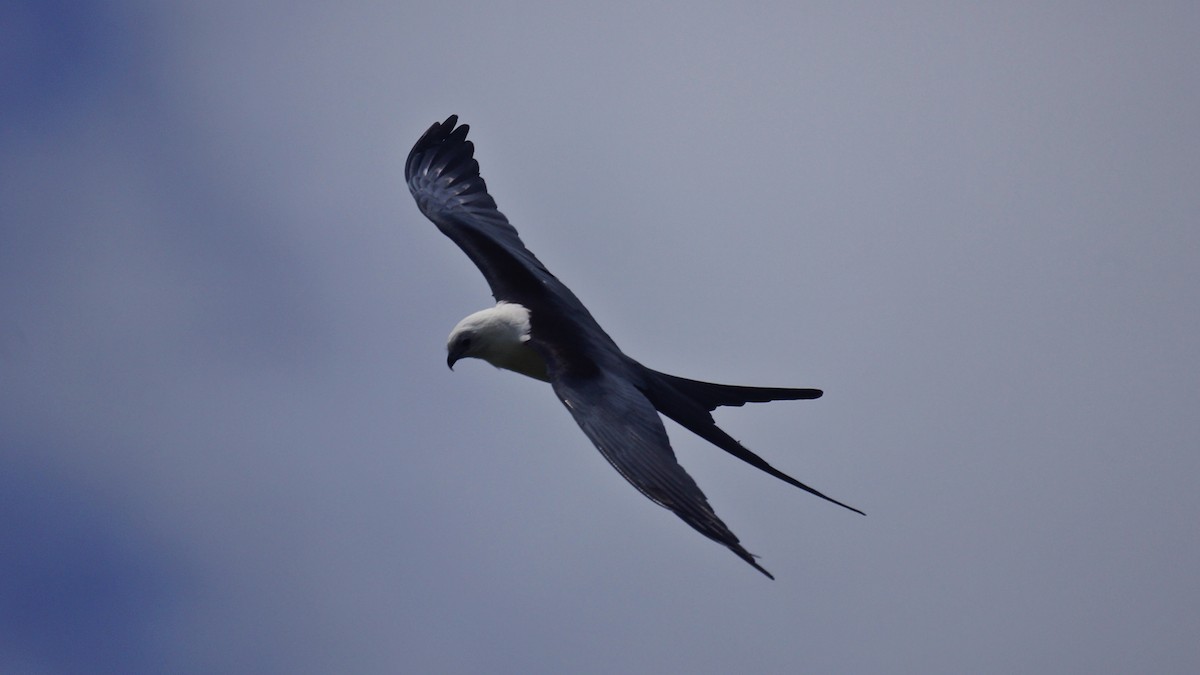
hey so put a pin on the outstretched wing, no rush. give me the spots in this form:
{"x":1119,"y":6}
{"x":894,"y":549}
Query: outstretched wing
{"x":627,"y":430}
{"x":443,"y":177}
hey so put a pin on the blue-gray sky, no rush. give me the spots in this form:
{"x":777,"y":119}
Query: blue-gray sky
{"x":229,"y":441}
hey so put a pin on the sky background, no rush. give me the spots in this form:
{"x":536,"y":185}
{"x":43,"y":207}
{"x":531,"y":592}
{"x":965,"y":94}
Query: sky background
{"x":229,"y":441}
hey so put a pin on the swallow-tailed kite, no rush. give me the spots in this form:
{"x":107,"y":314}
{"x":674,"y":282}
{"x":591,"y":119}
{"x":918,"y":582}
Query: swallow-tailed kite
{"x":540,"y":329}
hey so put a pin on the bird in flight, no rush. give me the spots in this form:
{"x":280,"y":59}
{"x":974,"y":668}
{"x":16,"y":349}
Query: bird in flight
{"x":540,"y":329}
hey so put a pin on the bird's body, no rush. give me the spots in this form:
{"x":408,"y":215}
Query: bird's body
{"x":540,"y":329}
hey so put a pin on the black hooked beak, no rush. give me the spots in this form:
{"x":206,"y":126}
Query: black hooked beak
{"x":455,"y":353}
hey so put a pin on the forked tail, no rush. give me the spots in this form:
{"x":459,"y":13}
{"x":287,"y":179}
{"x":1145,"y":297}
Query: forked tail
{"x":690,"y":403}
{"x":712,"y":395}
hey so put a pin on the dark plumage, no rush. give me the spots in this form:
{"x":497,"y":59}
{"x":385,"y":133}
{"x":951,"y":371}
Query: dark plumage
{"x":613,"y":398}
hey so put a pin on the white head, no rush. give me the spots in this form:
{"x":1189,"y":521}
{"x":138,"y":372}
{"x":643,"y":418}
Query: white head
{"x":497,"y":335}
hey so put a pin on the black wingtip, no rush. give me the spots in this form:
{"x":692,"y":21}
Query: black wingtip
{"x":438,"y":134}
{"x":443,"y":128}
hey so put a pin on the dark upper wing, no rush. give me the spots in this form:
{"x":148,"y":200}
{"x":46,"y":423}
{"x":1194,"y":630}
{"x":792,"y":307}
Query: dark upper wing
{"x":443,"y":177}
{"x":624,"y":426}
